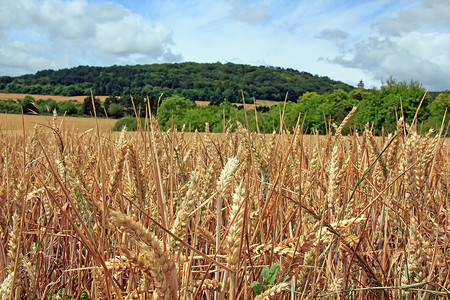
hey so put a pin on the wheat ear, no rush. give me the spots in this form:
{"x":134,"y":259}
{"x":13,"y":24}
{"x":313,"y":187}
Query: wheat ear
{"x":273,"y":291}
{"x":224,"y":189}
{"x":163,"y":266}
{"x":233,"y":239}
{"x":186,"y":206}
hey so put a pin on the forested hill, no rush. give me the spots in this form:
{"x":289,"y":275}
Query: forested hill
{"x":195,"y":81}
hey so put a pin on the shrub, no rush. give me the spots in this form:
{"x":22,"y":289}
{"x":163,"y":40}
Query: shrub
{"x":115,"y":110}
{"x":128,"y":121}
{"x":10,"y":107}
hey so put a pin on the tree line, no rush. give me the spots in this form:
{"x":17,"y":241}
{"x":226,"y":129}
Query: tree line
{"x":380,"y":108}
{"x":113,"y":107}
{"x":135,"y":89}
{"x":214,"y":82}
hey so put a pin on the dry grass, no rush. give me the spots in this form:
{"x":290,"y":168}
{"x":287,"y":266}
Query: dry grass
{"x":10,"y":122}
{"x":247,"y":105}
{"x":201,"y":103}
{"x":160,"y":215}
{"x":6,"y":96}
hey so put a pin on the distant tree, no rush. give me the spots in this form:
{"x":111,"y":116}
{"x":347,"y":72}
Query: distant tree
{"x":72,"y":90}
{"x":338,"y":105}
{"x":10,"y":107}
{"x":109,"y":100}
{"x":47,"y":89}
{"x":443,"y":100}
{"x":409,"y":95}
{"x":309,"y":104}
{"x":128,"y":121}
{"x":174,"y":105}
{"x":71,"y":107}
{"x":28,"y":105}
{"x":116,"y":110}
{"x":36,"y":89}
{"x":47,"y":106}
{"x":438,"y":108}
{"x":88,"y":108}
{"x":202,"y":81}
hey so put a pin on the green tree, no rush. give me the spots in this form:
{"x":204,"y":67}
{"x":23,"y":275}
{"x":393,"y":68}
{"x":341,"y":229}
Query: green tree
{"x":196,"y":118}
{"x":310,"y":105}
{"x":127,"y":104}
{"x":437,"y":109}
{"x":387,"y":103}
{"x":10,"y":107}
{"x":36,"y":89}
{"x":71,"y":107}
{"x":28,"y":105}
{"x":174,"y":105}
{"x":116,"y":110}
{"x":128,"y":121}
{"x":443,"y":100}
{"x":109,"y":100}
{"x":47,"y":106}
{"x":88,"y":108}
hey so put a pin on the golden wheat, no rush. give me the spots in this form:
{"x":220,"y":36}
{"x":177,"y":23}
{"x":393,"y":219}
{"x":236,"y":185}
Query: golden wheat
{"x":185,"y":215}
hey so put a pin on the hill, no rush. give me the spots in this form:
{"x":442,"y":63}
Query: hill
{"x":212,"y":82}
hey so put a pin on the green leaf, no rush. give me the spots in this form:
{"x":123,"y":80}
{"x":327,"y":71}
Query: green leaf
{"x":50,"y":293}
{"x":84,"y":296}
{"x":256,"y":286}
{"x":270,"y":275}
{"x":265,"y":272}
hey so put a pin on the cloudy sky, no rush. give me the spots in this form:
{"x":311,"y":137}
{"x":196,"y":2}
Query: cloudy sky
{"x":345,"y":40}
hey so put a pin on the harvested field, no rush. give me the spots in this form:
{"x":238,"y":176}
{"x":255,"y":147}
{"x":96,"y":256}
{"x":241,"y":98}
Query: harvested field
{"x":6,"y":96}
{"x":238,"y":215}
{"x":201,"y":103}
{"x":11,"y":122}
{"x":247,"y":105}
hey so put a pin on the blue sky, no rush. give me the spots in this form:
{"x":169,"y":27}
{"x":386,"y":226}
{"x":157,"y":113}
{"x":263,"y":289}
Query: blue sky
{"x":345,"y":40}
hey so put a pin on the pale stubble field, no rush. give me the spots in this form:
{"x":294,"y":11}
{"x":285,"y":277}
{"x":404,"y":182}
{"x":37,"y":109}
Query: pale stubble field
{"x":14,"y":123}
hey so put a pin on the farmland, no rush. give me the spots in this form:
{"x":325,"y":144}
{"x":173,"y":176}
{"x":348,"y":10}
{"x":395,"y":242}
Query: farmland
{"x":167,"y":215}
{"x":13,"y":123}
{"x":13,"y":96}
{"x":378,"y":107}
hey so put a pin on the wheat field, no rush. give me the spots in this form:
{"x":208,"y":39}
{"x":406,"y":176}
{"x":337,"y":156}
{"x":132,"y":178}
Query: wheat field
{"x":10,"y":123}
{"x":241,"y":215}
{"x":6,"y":96}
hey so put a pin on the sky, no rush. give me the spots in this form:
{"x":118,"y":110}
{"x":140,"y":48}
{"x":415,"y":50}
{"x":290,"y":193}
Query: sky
{"x":369,"y":40}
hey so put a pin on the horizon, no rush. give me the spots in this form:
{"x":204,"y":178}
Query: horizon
{"x":346,"y":41}
{"x":383,"y":82}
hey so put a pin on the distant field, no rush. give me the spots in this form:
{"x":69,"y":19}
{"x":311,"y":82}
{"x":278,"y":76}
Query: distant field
{"x":10,"y":122}
{"x":6,"y":96}
{"x":266,"y":102}
{"x":201,"y":103}
{"x":249,"y":103}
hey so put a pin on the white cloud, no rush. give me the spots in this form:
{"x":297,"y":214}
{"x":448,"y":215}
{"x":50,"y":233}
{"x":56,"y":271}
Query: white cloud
{"x":411,"y":45}
{"x":106,"y":12}
{"x":130,"y":34}
{"x":333,"y":34}
{"x":422,"y":15}
{"x":16,"y":58}
{"x":248,"y":13}
{"x":207,"y":31}
{"x":57,"y":33}
{"x":345,"y":40}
